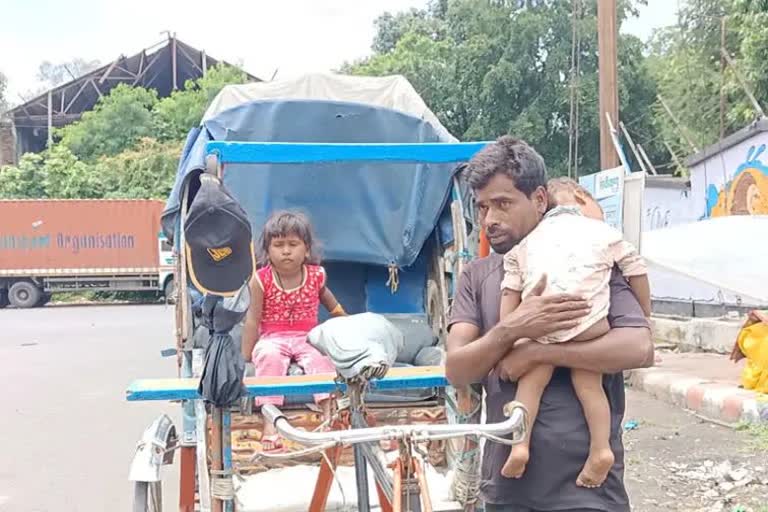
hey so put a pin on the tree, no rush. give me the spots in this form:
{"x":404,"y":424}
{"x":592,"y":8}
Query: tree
{"x":183,"y":110}
{"x":116,"y":123}
{"x":487,"y":68}
{"x":391,"y":28}
{"x":685,"y":63}
{"x":57,"y":74}
{"x":147,"y":170}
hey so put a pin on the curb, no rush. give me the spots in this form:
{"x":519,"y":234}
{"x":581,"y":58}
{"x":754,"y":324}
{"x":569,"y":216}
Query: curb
{"x":711,"y":399}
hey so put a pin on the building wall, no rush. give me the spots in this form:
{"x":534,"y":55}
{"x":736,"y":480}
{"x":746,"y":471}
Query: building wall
{"x":7,"y":143}
{"x":666,"y":206}
{"x":733,"y":182}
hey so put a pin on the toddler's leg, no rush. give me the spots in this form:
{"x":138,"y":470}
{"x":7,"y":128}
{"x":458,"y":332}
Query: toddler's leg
{"x":594,"y":331}
{"x":589,"y":389}
{"x":313,"y":362}
{"x":530,"y":387}
{"x":270,"y":359}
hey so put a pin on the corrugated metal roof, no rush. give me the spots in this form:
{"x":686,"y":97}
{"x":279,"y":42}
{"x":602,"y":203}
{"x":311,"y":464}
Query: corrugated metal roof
{"x":151,"y":68}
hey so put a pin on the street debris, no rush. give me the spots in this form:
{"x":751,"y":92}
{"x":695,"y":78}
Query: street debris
{"x":631,"y":425}
{"x":678,"y":463}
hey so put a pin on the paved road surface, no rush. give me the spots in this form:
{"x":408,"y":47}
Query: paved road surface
{"x":66,"y":432}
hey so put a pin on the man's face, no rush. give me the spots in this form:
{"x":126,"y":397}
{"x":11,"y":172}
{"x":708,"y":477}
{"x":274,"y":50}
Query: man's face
{"x":506,"y":214}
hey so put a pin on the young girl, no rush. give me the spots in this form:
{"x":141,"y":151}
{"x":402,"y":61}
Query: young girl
{"x":286,"y":294}
{"x":576,"y":251}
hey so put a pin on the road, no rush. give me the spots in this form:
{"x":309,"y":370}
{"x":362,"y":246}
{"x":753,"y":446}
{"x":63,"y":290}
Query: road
{"x":67,"y":434}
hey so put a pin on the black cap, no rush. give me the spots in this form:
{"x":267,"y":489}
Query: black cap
{"x":218,"y":239}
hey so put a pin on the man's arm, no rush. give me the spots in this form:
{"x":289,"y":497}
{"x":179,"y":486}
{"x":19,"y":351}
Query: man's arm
{"x":623,"y":348}
{"x":627,"y":345}
{"x":470,"y":358}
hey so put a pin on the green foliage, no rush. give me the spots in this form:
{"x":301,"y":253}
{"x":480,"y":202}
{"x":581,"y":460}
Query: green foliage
{"x":183,"y":110}
{"x":490,"y":68}
{"x":127,"y":147}
{"x":145,"y":171}
{"x":67,"y":177}
{"x":24,"y":181}
{"x":117,"y":122}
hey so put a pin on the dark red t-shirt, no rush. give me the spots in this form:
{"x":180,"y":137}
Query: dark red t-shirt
{"x":560,"y":437}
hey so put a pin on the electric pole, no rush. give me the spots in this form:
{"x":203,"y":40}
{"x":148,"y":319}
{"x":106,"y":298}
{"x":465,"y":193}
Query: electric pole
{"x":607,"y":34}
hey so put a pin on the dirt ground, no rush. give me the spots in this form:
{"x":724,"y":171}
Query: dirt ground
{"x":678,"y":462}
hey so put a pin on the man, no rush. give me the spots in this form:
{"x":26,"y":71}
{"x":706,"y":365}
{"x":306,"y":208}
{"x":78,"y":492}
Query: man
{"x":509,"y":182}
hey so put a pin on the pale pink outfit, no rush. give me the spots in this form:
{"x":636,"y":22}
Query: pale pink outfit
{"x":577,"y":254}
{"x":287,"y":316}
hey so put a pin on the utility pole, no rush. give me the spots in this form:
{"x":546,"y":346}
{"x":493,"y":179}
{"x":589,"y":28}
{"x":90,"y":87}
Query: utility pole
{"x":607,"y":34}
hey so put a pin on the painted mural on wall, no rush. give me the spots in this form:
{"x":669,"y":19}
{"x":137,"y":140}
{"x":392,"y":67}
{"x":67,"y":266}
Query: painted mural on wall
{"x":746,"y":193}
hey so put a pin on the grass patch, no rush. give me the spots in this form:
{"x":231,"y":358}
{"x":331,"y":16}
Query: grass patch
{"x":759,"y":434}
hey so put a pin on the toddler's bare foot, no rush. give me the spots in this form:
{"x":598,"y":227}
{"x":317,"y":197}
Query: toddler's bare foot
{"x":596,"y":469}
{"x":516,"y":462}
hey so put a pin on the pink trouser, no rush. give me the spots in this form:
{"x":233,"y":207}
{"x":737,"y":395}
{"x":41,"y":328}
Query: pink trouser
{"x":273,"y":354}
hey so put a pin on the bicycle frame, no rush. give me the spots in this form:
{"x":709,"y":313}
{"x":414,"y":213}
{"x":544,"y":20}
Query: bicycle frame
{"x":408,"y":485}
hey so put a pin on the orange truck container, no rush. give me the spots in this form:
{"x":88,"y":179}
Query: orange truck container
{"x":64,"y":245}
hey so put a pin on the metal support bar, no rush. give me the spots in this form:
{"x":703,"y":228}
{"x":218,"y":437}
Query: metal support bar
{"x":632,"y":146}
{"x":147,"y":68}
{"x":677,"y":122}
{"x":97,"y":88}
{"x":50,"y":118}
{"x":216,"y":447}
{"x":189,"y":58}
{"x":645,"y":157}
{"x":109,"y":70}
{"x":370,"y":452}
{"x":361,"y":480}
{"x":173,"y":62}
{"x":286,"y":152}
{"x":77,"y":95}
{"x":226,"y":451}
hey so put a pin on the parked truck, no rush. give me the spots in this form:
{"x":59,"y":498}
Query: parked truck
{"x":49,"y":246}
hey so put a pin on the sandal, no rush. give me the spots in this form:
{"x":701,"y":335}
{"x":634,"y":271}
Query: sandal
{"x":272,"y":443}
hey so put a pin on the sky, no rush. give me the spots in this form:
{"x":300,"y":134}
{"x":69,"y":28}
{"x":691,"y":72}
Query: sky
{"x":264,"y":36}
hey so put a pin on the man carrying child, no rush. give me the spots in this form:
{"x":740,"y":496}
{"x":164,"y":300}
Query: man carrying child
{"x":510,"y":185}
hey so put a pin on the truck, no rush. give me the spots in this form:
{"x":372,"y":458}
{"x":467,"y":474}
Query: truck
{"x":58,"y":245}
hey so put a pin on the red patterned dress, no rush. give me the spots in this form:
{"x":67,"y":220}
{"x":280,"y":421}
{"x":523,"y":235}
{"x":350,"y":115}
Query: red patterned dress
{"x":286,"y":318}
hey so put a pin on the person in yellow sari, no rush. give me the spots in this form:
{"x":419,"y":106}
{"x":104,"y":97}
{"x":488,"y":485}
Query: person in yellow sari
{"x":752,"y":344}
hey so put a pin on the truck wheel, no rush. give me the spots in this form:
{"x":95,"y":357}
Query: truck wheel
{"x":3,"y":298}
{"x":169,"y":291}
{"x":24,"y":294}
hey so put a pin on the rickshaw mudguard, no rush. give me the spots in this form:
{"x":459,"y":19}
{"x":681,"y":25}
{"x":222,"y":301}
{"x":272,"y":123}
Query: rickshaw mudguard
{"x":155,"y":449}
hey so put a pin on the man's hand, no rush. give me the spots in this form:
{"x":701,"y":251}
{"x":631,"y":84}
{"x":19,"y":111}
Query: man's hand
{"x":538,"y":316}
{"x":519,"y":361}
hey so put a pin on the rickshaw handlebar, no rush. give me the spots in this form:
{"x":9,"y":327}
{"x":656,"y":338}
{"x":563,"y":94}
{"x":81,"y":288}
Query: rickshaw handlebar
{"x":515,"y":424}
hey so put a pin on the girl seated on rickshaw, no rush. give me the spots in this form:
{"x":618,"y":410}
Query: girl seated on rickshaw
{"x":286,"y":293}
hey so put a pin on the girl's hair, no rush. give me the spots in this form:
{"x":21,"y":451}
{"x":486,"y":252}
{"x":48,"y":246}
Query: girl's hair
{"x":285,"y":223}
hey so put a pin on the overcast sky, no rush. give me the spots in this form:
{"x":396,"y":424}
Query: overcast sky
{"x":294,"y":36}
